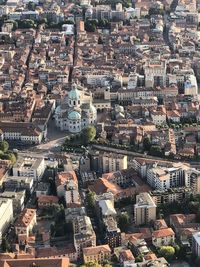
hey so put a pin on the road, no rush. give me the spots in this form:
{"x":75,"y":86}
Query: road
{"x":51,"y":145}
{"x":194,"y":164}
{"x":174,"y":4}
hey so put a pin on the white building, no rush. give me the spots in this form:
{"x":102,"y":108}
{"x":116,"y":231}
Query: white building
{"x":6,"y":215}
{"x":18,"y":182}
{"x":29,"y":166}
{"x":163,"y":178}
{"x":22,"y":131}
{"x":107,"y":208}
{"x":196,"y":243}
{"x":76,"y":112}
{"x":190,"y":86}
{"x":68,"y":29}
{"x":132,"y":81}
{"x":132,"y":12}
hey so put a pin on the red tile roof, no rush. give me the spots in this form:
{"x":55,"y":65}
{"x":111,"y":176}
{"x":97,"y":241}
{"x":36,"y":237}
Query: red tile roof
{"x":163,"y":233}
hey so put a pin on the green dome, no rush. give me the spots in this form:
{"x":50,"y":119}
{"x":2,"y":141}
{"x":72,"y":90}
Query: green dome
{"x":74,"y":94}
{"x":74,"y":115}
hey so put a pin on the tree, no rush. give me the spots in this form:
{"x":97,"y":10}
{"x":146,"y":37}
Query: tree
{"x":90,"y":26}
{"x":52,"y":184}
{"x":156,"y":151}
{"x":26,"y":24}
{"x":198,"y":215}
{"x":123,"y":221}
{"x":4,"y":146}
{"x":167,"y":252}
{"x":14,"y":22}
{"x":139,"y":258}
{"x":31,"y":6}
{"x":11,"y":157}
{"x":100,"y":40}
{"x":177,"y":250}
{"x":5,"y":245}
{"x":90,"y":199}
{"x":88,"y":134}
{"x":147,"y":143}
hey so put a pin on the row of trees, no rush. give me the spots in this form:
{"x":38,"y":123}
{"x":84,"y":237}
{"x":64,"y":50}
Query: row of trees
{"x":29,"y":23}
{"x":188,"y":205}
{"x":86,"y":136}
{"x":153,"y":150}
{"x":92,"y":24}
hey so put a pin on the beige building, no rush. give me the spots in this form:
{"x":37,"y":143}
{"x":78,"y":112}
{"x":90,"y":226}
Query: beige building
{"x":114,"y":162}
{"x":6,"y":215}
{"x":144,"y":209}
{"x":98,"y":254}
{"x":155,"y":73}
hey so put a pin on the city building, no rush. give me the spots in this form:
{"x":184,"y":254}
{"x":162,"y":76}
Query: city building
{"x":42,"y":262}
{"x":163,"y":237}
{"x":196,"y":243}
{"x":18,"y":183}
{"x":144,"y":209}
{"x":18,"y":199}
{"x":108,"y":221}
{"x":67,"y":187}
{"x":155,"y":73}
{"x":46,"y":202}
{"x":84,"y":235}
{"x":24,"y":224}
{"x":6,"y":215}
{"x":29,"y":166}
{"x":159,"y":177}
{"x":24,"y":132}
{"x":102,"y":162}
{"x":126,"y":258}
{"x":98,"y":254}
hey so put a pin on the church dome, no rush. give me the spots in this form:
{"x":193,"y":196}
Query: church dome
{"x":74,"y":115}
{"x":74,"y":94}
{"x":58,"y":110}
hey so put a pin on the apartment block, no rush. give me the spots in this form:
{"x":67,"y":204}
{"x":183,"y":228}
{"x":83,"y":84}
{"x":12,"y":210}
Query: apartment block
{"x":144,"y":209}
{"x":29,"y":166}
{"x":6,"y":215}
{"x":84,"y":235}
{"x":108,"y":162}
{"x":196,"y":243}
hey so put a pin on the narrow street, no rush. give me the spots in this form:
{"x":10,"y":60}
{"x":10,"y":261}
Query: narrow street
{"x":167,"y":23}
{"x":74,"y":54}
